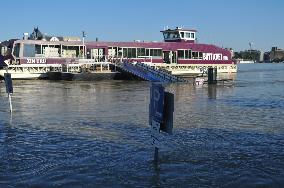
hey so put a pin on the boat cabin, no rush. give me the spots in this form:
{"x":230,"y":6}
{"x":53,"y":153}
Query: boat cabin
{"x":38,"y":49}
{"x":179,"y":35}
{"x":179,"y":47}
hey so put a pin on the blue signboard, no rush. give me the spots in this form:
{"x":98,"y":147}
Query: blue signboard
{"x":156,"y":103}
{"x":8,"y":82}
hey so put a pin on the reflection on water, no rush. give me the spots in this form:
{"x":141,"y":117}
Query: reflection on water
{"x":96,"y":134}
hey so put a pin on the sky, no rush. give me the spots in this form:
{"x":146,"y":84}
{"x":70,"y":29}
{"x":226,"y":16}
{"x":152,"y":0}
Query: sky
{"x":225,"y":23}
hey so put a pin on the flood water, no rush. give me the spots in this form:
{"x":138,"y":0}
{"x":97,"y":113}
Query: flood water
{"x":96,"y":134}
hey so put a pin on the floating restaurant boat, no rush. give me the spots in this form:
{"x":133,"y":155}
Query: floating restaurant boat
{"x":39,"y":56}
{"x":179,"y":54}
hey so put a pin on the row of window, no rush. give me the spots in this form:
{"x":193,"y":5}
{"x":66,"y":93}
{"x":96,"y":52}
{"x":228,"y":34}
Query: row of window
{"x":189,"y":54}
{"x":33,"y":50}
{"x":183,"y":35}
{"x":30,"y":50}
{"x":187,"y":35}
{"x":155,"y":53}
{"x":137,"y":52}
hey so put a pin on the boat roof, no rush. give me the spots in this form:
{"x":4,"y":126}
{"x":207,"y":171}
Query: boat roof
{"x":166,"y":46}
{"x":170,"y":46}
{"x":179,"y":29}
{"x":42,"y":42}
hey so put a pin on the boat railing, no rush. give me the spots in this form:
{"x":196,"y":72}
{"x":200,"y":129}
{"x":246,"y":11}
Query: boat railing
{"x":162,"y":73}
{"x":148,"y":72}
{"x":145,"y":58}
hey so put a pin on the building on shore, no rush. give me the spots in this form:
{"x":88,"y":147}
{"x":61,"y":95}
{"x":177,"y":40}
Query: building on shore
{"x":276,"y":55}
{"x":250,"y":55}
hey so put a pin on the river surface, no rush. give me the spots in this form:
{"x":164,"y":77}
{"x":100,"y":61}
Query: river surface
{"x":96,"y":134}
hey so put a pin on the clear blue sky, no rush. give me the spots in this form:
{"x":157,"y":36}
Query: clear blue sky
{"x":227,"y":23}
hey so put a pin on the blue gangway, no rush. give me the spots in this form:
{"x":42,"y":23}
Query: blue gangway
{"x":149,"y":73}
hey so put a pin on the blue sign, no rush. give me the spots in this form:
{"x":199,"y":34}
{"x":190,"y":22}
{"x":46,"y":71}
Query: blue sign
{"x":156,"y":103}
{"x":167,"y":124}
{"x":8,"y":82}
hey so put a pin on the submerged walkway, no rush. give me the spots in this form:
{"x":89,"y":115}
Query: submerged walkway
{"x":148,"y":73}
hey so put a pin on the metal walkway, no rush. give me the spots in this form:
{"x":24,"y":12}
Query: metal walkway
{"x":148,"y":73}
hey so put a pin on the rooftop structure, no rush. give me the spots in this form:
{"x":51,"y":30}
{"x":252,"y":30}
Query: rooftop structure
{"x":38,"y":35}
{"x":179,"y":35}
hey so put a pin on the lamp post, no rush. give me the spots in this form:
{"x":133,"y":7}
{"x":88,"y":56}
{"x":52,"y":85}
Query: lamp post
{"x":84,"y":35}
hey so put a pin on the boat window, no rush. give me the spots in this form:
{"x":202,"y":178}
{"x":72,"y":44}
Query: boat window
{"x":119,"y":52}
{"x":125,"y":52}
{"x":181,"y":54}
{"x":132,"y":52}
{"x":116,"y":51}
{"x":186,"y":54}
{"x":174,"y":35}
{"x":111,"y":52}
{"x":147,"y":52}
{"x":156,"y":52}
{"x":129,"y":52}
{"x":189,"y":54}
{"x":141,"y":52}
{"x":16,"y":50}
{"x":200,"y":55}
{"x":195,"y":55}
{"x":51,"y":51}
{"x":68,"y":51}
{"x":192,"y":35}
{"x":166,"y":35}
{"x":182,"y":34}
{"x":187,"y":35}
{"x":37,"y":49}
{"x":29,"y":50}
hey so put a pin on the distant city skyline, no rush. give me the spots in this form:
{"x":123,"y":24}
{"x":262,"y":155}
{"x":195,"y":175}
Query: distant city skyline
{"x":230,"y":24}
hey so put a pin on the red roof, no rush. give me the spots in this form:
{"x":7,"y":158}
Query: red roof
{"x":171,"y":46}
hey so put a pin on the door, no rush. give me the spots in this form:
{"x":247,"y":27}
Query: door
{"x":174,"y":56}
{"x":170,"y":57}
{"x":167,"y":57}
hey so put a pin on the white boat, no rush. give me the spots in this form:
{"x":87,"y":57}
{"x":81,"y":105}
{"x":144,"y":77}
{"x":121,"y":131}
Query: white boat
{"x":245,"y":61}
{"x":179,"y":54}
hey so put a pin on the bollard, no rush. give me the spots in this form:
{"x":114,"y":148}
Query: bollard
{"x":212,"y":75}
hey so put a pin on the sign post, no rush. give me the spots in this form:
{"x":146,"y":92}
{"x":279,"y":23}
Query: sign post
{"x":156,"y":116}
{"x":160,"y":115}
{"x":9,"y":88}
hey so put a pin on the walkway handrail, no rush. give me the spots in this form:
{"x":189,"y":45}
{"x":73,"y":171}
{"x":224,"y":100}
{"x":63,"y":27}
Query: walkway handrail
{"x":149,"y":73}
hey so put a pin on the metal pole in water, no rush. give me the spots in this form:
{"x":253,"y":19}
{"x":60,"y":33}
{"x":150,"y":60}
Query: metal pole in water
{"x":10,"y":102}
{"x":9,"y":88}
{"x":156,"y":156}
{"x":212,"y":76}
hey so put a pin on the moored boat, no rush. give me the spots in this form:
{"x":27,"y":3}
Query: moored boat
{"x":179,"y":54}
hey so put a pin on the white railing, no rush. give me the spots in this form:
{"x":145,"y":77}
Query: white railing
{"x":147,"y":57}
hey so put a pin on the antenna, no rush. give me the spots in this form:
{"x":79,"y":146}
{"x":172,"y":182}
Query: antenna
{"x":84,"y":50}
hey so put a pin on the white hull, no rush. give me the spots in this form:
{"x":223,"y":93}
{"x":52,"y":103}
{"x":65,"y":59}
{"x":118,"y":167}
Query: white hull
{"x":24,"y":75}
{"x":40,"y":71}
{"x":183,"y":69}
{"x":30,"y":71}
{"x":246,"y":62}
